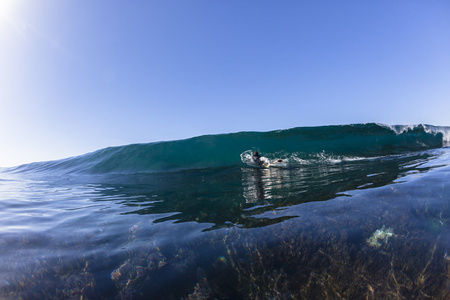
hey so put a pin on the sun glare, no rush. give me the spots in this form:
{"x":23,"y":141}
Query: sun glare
{"x":6,"y":6}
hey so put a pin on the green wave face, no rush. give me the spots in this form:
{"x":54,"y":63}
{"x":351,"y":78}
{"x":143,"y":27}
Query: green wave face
{"x":295,"y":146}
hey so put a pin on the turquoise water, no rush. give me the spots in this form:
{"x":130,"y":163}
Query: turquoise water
{"x":355,"y":211}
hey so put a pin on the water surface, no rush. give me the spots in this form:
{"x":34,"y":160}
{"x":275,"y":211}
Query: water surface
{"x":334,"y":223}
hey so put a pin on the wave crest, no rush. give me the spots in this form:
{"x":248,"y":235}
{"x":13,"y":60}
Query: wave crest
{"x":296,"y":146}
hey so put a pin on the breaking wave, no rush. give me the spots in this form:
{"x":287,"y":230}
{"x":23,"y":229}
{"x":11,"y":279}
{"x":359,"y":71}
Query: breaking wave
{"x":296,"y":146}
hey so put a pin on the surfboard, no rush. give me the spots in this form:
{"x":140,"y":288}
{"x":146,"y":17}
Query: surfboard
{"x":273,"y":165}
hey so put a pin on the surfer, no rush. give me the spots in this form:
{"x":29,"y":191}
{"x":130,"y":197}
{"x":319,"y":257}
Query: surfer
{"x":257,"y":160}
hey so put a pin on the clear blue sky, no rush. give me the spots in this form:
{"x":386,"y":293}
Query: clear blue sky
{"x":80,"y":75}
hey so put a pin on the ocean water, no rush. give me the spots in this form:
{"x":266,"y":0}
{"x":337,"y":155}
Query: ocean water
{"x":353,"y":212}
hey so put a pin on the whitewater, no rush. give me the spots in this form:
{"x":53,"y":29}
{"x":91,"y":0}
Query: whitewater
{"x":356,"y":211}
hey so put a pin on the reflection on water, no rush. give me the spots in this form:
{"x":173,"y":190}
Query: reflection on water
{"x":231,"y":196}
{"x":237,"y":233}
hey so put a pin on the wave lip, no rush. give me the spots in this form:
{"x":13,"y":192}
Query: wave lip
{"x":301,"y":145}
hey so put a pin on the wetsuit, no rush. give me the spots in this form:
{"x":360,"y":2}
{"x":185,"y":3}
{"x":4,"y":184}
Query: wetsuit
{"x":257,"y":160}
